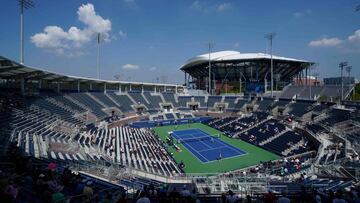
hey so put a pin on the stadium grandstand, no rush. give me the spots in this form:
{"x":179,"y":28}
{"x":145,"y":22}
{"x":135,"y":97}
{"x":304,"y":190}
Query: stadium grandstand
{"x":237,"y":137}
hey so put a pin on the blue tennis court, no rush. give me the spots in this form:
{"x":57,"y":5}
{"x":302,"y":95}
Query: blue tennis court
{"x":204,"y":146}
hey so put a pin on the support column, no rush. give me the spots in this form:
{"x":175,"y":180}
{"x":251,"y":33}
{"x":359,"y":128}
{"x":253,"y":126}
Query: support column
{"x":91,"y":86}
{"x":78,"y":85}
{"x":176,"y":89}
{"x":185,"y":80}
{"x":119,"y":88}
{"x":58,"y":86}
{"x":155,"y":89}
{"x":104,"y":87}
{"x":142,"y":88}
{"x":164,"y":88}
{"x":40,"y":84}
{"x":22,"y":83}
{"x":130,"y":87}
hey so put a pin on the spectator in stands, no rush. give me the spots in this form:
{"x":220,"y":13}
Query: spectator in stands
{"x":185,"y":192}
{"x":231,"y":197}
{"x":88,"y":191}
{"x":339,"y":197}
{"x":283,"y":198}
{"x":248,"y":199}
{"x":269,"y":197}
{"x":143,"y":198}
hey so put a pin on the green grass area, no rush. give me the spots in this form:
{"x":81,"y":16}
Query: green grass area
{"x":192,"y":165}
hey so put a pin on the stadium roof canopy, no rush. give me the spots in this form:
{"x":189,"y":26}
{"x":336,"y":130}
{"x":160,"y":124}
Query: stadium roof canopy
{"x":12,"y":70}
{"x":230,"y":63}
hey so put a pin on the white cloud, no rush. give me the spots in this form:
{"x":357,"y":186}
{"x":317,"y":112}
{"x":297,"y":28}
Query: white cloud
{"x":237,"y":44}
{"x":204,"y":6}
{"x":153,"y":69}
{"x":196,"y":5}
{"x":223,"y":6}
{"x":122,"y":34}
{"x":326,"y":42}
{"x":129,"y":1}
{"x":349,"y":44}
{"x":55,"y":39}
{"x":130,"y":67}
{"x":299,"y":14}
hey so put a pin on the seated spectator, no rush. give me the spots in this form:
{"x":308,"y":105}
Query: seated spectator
{"x":143,"y":198}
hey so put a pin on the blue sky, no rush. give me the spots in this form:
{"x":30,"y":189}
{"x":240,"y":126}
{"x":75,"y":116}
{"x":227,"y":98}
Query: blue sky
{"x":144,"y":40}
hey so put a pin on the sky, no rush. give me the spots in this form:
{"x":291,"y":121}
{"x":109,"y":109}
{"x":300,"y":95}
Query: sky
{"x":148,"y":41}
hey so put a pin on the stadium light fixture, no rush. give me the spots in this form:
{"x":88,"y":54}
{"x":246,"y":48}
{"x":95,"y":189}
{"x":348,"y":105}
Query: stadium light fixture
{"x":211,"y":45}
{"x":348,"y":70}
{"x":270,"y":37}
{"x":24,"y":5}
{"x":342,"y":65}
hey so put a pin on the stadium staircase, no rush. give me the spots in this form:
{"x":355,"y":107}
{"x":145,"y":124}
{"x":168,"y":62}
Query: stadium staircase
{"x":97,"y":100}
{"x":162,"y":98}
{"x":132,"y":99}
{"x":77,"y":102}
{"x":113,"y":100}
{"x":145,"y":98}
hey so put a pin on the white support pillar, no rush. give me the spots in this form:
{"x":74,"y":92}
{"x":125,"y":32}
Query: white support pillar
{"x":142,"y":88}
{"x":130,"y":88}
{"x":104,"y":87}
{"x":90,"y":86}
{"x":176,"y":89}
{"x":164,"y":88}
{"x":155,"y":88}
{"x":78,"y":86}
{"x":119,"y":88}
{"x":40,"y":84}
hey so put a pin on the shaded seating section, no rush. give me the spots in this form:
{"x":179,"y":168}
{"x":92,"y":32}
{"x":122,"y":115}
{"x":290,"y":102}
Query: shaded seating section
{"x":183,"y":101}
{"x":69,"y":103}
{"x":212,"y":100}
{"x":137,"y":96}
{"x":124,"y":101}
{"x":54,"y":109}
{"x":336,"y":116}
{"x":240,"y":104}
{"x":283,"y":142}
{"x":315,"y":91}
{"x":201,"y":100}
{"x":315,"y":128}
{"x":281,"y":103}
{"x":265,"y":104}
{"x":231,"y":102}
{"x":169,"y":116}
{"x":233,"y":125}
{"x":170,"y":98}
{"x":299,"y":108}
{"x":262,"y":132}
{"x":154,"y":100}
{"x":89,"y":102}
{"x":292,"y":90}
{"x":104,"y":99}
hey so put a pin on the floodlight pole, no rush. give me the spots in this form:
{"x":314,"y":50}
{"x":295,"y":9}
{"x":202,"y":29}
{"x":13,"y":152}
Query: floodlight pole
{"x":270,"y":37}
{"x":22,"y":33}
{"x":342,"y":65}
{"x":348,"y":70}
{"x":98,"y":56}
{"x":209,"y":69}
{"x":24,"y":4}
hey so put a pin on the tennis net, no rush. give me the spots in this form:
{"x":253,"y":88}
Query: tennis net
{"x":195,"y":139}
